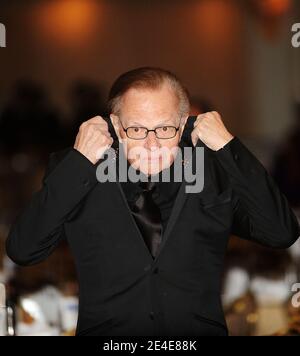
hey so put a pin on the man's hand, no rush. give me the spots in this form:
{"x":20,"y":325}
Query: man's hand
{"x":93,"y":139}
{"x":209,"y":128}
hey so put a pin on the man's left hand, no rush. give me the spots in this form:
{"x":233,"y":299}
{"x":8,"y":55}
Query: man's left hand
{"x":210,"y":129}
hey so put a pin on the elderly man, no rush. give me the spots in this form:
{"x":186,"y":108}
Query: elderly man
{"x":149,"y":255}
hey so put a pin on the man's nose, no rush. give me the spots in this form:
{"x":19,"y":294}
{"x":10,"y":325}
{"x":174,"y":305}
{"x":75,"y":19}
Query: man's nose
{"x":151,"y":140}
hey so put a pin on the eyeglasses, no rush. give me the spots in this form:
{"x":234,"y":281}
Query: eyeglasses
{"x":140,"y":133}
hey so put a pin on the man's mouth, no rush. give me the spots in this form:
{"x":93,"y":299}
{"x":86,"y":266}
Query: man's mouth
{"x":154,"y":158}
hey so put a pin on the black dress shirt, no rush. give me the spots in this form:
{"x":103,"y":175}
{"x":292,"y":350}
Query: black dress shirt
{"x":164,"y":194}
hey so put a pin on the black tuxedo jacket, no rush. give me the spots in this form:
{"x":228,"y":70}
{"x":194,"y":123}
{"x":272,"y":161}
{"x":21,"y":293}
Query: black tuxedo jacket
{"x":123,"y":291}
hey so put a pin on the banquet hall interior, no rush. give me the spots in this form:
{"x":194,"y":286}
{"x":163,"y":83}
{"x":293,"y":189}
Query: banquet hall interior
{"x":236,"y":57}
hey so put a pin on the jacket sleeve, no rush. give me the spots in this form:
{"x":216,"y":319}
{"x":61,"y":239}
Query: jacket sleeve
{"x":40,"y":227}
{"x":261,"y":213}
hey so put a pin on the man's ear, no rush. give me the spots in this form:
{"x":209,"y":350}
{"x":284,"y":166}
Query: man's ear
{"x":116,"y":124}
{"x":183,"y":123}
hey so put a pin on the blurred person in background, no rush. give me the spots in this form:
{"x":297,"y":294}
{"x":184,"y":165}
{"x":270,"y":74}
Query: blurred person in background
{"x":29,"y":120}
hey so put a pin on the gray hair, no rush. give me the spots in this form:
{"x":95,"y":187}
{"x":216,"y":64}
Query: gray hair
{"x":147,"y":78}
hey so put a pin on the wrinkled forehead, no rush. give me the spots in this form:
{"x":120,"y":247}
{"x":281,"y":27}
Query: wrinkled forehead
{"x":150,"y":107}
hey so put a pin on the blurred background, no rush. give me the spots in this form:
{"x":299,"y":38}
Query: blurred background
{"x":234,"y":56}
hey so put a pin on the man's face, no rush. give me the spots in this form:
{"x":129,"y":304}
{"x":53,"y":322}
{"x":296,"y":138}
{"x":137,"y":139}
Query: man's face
{"x":149,"y":109}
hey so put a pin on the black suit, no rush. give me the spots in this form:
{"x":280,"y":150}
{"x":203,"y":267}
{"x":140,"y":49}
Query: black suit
{"x":123,"y":291}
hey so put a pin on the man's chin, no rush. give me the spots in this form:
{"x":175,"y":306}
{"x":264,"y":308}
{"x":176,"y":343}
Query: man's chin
{"x":151,"y":171}
{"x":153,"y":168}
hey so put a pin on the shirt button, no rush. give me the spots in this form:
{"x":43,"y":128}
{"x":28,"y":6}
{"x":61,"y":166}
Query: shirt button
{"x":236,"y":156}
{"x":151,"y":315}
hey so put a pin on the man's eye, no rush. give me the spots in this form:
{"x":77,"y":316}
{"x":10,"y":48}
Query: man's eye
{"x":165,"y":128}
{"x":136,"y":129}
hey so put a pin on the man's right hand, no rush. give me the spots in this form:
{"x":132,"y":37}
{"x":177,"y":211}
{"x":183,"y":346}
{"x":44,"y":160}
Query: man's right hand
{"x":93,"y":139}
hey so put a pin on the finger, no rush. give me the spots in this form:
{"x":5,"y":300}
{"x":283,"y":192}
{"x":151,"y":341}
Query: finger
{"x":97,"y":117}
{"x":106,"y":134}
{"x":208,"y":115}
{"x":198,"y":120}
{"x":212,"y":115}
{"x":98,"y":126}
{"x":90,"y":123}
{"x":215,"y":113}
{"x":96,"y":120}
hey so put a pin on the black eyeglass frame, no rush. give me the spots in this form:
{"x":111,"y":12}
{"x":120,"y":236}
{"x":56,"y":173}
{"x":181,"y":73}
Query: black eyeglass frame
{"x":147,"y":132}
